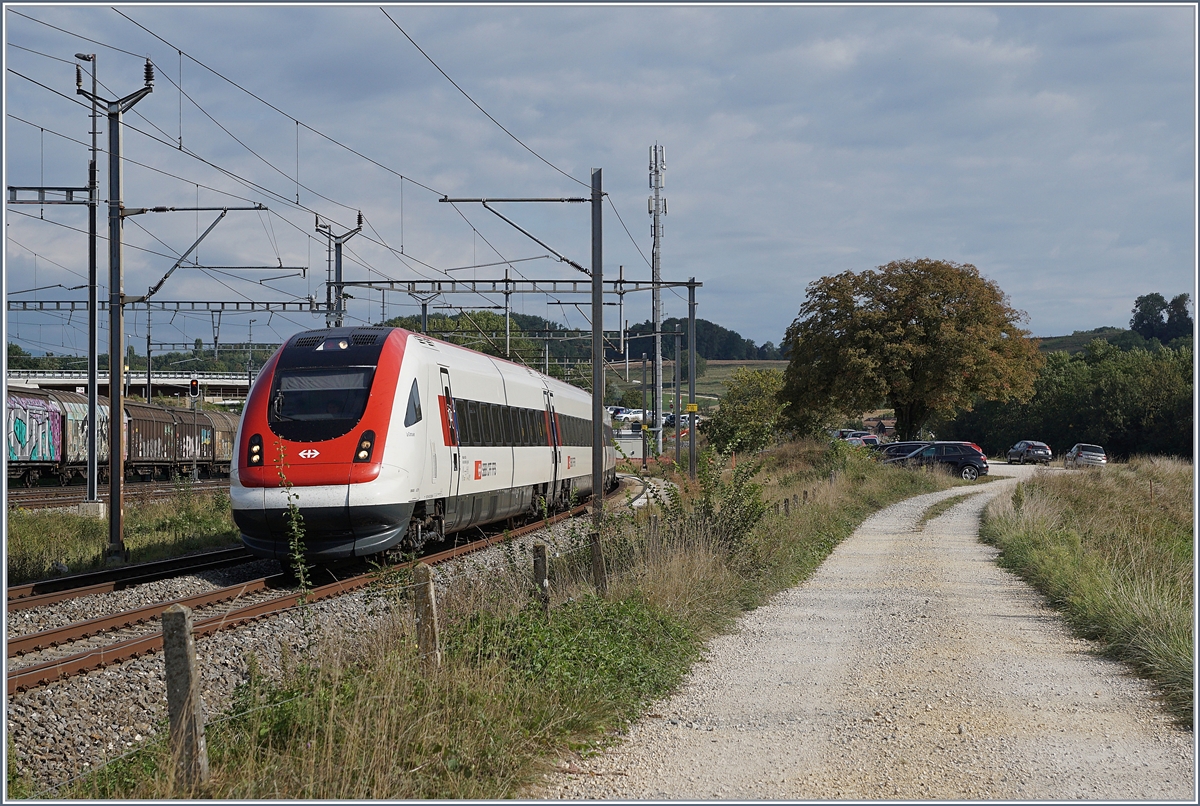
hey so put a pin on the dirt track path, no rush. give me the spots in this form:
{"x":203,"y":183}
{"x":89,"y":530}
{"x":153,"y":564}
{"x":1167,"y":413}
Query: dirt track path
{"x":908,"y":667}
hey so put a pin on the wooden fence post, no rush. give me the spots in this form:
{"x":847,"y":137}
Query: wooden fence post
{"x":795,"y":500}
{"x":786,"y":511}
{"x":599,"y":576}
{"x":806,"y":496}
{"x":428,"y":644}
{"x":777,"y":508}
{"x":654,"y":526}
{"x":184,"y":709}
{"x":541,"y":577}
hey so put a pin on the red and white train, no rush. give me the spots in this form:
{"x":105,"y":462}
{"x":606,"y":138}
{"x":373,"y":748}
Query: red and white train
{"x":381,"y":436}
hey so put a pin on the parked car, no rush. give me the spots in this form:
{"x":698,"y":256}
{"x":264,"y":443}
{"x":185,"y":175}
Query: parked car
{"x":1084,"y":455}
{"x":614,"y":411}
{"x":846,"y":433}
{"x":1029,"y":451}
{"x":898,"y":450}
{"x":962,"y":458}
{"x":630,"y":416}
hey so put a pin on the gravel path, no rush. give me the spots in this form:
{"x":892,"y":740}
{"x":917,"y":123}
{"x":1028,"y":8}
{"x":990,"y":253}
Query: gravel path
{"x":910,"y":666}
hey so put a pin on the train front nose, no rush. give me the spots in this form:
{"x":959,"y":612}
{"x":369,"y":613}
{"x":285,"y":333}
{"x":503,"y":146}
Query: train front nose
{"x":320,"y":522}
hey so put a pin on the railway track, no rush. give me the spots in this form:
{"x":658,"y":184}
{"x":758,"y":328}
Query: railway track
{"x":53,"y":654}
{"x":54,"y":497}
{"x":50,"y":591}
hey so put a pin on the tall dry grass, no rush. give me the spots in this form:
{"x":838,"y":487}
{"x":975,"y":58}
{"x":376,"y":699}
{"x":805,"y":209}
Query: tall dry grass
{"x":1113,"y":548}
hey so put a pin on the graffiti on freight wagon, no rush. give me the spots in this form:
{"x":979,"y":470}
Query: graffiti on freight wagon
{"x":34,"y":429}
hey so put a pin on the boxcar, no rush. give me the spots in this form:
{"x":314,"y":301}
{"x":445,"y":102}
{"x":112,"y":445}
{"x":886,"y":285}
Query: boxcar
{"x":75,"y":434}
{"x":34,"y":435}
{"x":151,"y":441}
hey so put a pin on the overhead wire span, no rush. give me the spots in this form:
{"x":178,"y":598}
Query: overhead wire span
{"x":402,"y":256}
{"x":270,"y":105}
{"x":476,"y":105}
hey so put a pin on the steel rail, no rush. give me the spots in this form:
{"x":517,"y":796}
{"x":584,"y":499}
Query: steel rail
{"x":50,"y":591}
{"x":46,"y":639}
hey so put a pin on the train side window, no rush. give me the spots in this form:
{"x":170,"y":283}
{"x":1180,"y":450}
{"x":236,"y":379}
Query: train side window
{"x":464,"y":427}
{"x":485,"y":426}
{"x":491,"y":434}
{"x":413,"y":415}
{"x":473,"y":422}
{"x":506,"y":424}
{"x":526,"y":428}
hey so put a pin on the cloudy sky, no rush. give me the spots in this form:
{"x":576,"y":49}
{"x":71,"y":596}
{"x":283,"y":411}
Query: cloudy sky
{"x":1052,"y":147}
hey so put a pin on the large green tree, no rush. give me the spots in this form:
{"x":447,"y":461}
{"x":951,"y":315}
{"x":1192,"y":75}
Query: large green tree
{"x":929,"y":337}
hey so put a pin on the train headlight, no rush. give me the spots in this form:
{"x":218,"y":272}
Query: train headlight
{"x":366,"y":447}
{"x":254,"y":454}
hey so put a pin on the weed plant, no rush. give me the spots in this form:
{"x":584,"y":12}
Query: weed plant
{"x":41,"y":541}
{"x":518,"y":688}
{"x":1115,"y":557}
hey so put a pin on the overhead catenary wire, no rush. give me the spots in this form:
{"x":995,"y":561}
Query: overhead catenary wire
{"x":410,"y":262}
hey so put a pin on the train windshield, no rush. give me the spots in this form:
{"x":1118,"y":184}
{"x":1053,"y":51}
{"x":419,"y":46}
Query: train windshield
{"x":315,"y":404}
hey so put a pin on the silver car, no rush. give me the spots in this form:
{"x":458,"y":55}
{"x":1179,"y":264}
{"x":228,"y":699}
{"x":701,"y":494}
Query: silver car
{"x":1084,"y":455}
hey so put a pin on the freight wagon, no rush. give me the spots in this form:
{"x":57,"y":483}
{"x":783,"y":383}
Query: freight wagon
{"x":48,"y":435}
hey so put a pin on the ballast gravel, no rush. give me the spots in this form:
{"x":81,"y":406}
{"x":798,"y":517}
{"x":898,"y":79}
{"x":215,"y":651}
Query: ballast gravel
{"x":909,"y":667}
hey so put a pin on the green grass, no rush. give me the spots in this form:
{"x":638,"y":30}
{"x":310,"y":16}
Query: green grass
{"x":1117,"y":561}
{"x":188,"y":521}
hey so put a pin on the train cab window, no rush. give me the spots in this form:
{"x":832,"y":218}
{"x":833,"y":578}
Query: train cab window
{"x":413,"y":415}
{"x":308,"y":405}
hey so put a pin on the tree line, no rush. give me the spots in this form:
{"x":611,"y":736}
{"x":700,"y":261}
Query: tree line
{"x":1128,"y":401}
{"x":941,"y":345}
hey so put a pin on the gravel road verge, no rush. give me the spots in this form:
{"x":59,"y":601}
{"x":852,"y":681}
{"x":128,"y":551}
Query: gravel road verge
{"x":910,"y":666}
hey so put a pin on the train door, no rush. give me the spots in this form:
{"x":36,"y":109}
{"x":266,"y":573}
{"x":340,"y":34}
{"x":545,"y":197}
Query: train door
{"x":555,"y":453}
{"x":450,"y":427}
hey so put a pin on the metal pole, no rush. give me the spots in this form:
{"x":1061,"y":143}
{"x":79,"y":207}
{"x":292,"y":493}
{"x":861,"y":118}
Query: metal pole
{"x":643,"y":428}
{"x":147,"y":353}
{"x":116,"y":321}
{"x":691,"y":378}
{"x":626,"y":346}
{"x":507,"y":329}
{"x":337,"y":282}
{"x":196,"y":437}
{"x":598,"y":446}
{"x":93,"y":463}
{"x":678,"y":378}
{"x":424,"y":316}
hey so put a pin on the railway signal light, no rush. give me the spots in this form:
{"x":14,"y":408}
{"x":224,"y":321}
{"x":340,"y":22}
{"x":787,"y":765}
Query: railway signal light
{"x":194,"y":388}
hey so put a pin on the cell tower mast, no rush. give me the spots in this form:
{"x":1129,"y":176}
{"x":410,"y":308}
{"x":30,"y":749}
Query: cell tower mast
{"x":657,"y":207}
